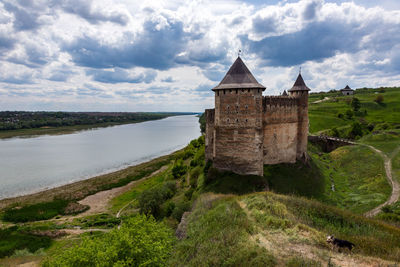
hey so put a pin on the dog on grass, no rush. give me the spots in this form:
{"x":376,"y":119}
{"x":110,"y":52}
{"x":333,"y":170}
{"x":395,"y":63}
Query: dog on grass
{"x":338,"y":243}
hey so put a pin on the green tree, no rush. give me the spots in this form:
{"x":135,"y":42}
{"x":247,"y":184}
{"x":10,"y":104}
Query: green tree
{"x":141,"y":241}
{"x":356,"y":130}
{"x":355,"y":103}
{"x":379,"y":99}
{"x":349,"y":114}
{"x":179,"y":169}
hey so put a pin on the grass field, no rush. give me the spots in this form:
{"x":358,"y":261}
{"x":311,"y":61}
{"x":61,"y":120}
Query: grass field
{"x":324,"y":115}
{"x":386,"y":141}
{"x":267,"y":229}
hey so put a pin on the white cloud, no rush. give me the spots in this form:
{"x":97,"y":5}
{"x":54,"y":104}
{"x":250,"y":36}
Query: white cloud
{"x":163,"y":55}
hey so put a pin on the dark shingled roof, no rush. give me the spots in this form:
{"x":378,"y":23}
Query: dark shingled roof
{"x":299,"y":85}
{"x":284,"y":93}
{"x":239,"y":77}
{"x":347,"y":88}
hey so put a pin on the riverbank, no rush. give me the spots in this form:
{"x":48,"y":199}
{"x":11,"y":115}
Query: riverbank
{"x":81,"y":189}
{"x":56,"y":130}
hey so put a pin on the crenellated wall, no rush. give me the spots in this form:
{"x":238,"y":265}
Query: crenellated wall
{"x":280,"y":128}
{"x":247,"y":130}
{"x":209,"y":138}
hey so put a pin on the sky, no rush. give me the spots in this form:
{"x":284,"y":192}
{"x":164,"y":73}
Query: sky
{"x":157,"y":55}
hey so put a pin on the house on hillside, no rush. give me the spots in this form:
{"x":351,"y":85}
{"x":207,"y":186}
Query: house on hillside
{"x":347,"y":90}
{"x":247,"y":130}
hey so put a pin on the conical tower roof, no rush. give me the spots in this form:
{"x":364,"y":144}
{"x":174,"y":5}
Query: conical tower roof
{"x":284,"y":93}
{"x":299,"y":85}
{"x":347,"y":88}
{"x":239,"y":77}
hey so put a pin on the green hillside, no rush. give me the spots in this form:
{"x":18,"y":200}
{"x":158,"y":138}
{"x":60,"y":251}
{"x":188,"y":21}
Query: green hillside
{"x":280,"y":219}
{"x":336,"y":111}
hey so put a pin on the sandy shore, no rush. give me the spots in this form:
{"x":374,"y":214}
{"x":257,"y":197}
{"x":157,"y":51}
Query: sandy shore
{"x":81,"y":189}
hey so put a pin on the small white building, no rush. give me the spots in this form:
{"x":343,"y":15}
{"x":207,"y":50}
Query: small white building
{"x":347,"y":91}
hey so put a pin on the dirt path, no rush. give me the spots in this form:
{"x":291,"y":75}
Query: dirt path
{"x":98,"y":202}
{"x":321,"y":100}
{"x":394,"y":197}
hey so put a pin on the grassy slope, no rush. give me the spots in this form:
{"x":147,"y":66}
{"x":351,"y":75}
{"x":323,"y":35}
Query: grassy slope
{"x":356,"y":172}
{"x":323,"y":115}
{"x":386,"y":141}
{"x":270,"y":229}
{"x":247,"y":239}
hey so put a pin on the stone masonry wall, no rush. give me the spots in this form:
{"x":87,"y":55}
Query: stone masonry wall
{"x":238,"y":131}
{"x":209,"y":138}
{"x":280,"y":129}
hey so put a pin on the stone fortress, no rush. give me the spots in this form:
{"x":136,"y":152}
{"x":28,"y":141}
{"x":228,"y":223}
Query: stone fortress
{"x":247,"y":130}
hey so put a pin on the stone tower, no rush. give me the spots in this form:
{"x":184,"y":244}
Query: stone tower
{"x":247,"y":130}
{"x":238,"y":122}
{"x":300,"y":91}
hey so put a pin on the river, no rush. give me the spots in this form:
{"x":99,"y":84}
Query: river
{"x":28,"y":165}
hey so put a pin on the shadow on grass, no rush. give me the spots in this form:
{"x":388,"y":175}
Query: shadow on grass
{"x":226,"y":182}
{"x":298,"y":179}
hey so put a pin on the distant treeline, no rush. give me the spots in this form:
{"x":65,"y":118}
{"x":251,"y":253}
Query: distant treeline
{"x":202,"y":121}
{"x":14,"y":120}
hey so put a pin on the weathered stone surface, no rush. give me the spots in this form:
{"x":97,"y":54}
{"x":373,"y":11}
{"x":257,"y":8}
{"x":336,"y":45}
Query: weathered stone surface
{"x":181,"y":231}
{"x":247,"y":130}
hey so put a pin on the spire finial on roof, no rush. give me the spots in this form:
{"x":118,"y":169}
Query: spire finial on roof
{"x":300,"y":70}
{"x":240,"y":51}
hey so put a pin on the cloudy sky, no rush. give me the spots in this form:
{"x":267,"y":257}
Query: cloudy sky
{"x":103,"y":55}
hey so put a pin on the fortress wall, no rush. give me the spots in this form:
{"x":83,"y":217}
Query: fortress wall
{"x":209,"y":138}
{"x":280,"y":129}
{"x":239,"y":150}
{"x":238,"y":131}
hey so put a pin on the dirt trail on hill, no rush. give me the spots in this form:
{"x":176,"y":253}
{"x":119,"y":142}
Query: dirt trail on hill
{"x":321,"y":100}
{"x":394,"y":197}
{"x":98,"y":202}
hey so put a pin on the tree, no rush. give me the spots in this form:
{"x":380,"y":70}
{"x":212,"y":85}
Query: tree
{"x":349,"y":114}
{"x":141,"y":241}
{"x":355,"y":103}
{"x":356,"y":130}
{"x":179,"y":169}
{"x":379,"y":99}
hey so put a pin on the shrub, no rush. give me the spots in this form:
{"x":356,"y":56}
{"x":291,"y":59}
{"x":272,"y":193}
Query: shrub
{"x":379,"y":99}
{"x":335,"y":132}
{"x":179,"y":169}
{"x":168,"y":208}
{"x":179,"y":209}
{"x":349,"y":114}
{"x":356,"y":130}
{"x":370,"y":126}
{"x":36,"y":212}
{"x":189,"y":193}
{"x":140,"y":241}
{"x":12,"y":239}
{"x":355,"y":103}
{"x":168,"y":189}
{"x":207,"y":167}
{"x":150,"y":200}
{"x":340,"y":115}
{"x":194,"y":175}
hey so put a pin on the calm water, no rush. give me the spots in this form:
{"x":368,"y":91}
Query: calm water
{"x":32,"y":164}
